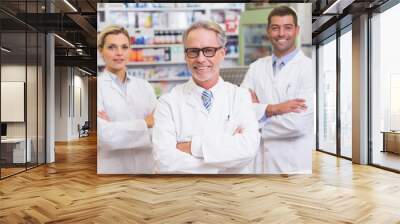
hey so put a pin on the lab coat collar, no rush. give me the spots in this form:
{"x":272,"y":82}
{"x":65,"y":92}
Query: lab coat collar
{"x":193,"y":93}
{"x":115,"y":78}
{"x":109,"y":76}
{"x":193,"y":88}
{"x":297,"y":57}
{"x":286,"y":58}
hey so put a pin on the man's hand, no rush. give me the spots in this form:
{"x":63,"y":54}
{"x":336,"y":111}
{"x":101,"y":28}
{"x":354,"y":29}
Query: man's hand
{"x":103,"y":115}
{"x":149,"y":120}
{"x":184,"y":147}
{"x":295,"y":105}
{"x":238,"y":130}
{"x":254,"y":97}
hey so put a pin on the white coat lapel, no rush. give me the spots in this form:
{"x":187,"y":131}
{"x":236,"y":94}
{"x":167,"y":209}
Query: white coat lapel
{"x":287,"y":77}
{"x":119,"y":91}
{"x":192,"y":99}
{"x":271,"y":82}
{"x":113,"y":85}
{"x":109,"y":83}
{"x":270,"y":72}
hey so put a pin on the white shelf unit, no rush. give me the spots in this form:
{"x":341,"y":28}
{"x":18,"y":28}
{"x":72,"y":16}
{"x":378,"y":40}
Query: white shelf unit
{"x":154,"y":29}
{"x":169,"y":79}
{"x":149,"y":63}
{"x":161,"y":9}
{"x":129,"y":18}
{"x":139,"y":46}
{"x":232,"y":56}
{"x":232,"y":34}
{"x":156,"y":9}
{"x":157,"y":63}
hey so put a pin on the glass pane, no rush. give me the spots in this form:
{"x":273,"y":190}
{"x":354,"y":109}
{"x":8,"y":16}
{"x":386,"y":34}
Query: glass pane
{"x":327,"y":97}
{"x":386,"y":89}
{"x":346,"y":94}
{"x":41,"y":99}
{"x":31,"y":100}
{"x":13,"y":87}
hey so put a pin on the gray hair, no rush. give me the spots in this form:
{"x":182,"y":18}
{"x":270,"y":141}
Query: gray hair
{"x":208,"y":25}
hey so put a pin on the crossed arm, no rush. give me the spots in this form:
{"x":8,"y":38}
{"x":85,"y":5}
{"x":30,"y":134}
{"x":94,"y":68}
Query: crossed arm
{"x":186,"y":147}
{"x":207,"y":153}
{"x":291,"y":118}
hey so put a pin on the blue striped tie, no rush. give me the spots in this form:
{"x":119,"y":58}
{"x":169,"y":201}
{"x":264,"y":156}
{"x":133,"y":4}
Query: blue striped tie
{"x":207,"y":97}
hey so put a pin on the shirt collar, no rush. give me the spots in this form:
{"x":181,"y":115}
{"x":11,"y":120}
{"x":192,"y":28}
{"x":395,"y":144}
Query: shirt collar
{"x":285,"y":59}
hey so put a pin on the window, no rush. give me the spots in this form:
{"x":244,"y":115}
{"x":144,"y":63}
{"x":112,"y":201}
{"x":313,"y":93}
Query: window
{"x":327,"y":97}
{"x":385,"y":89}
{"x":346,"y":93}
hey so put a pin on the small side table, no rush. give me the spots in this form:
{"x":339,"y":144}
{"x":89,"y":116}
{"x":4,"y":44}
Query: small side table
{"x":391,"y":141}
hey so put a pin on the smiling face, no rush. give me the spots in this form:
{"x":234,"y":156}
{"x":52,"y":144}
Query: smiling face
{"x":205,"y":70}
{"x":282,"y":32}
{"x":115,"y":52}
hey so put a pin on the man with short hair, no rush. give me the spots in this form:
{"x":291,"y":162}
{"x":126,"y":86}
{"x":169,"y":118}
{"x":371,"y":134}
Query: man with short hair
{"x":205,"y":125}
{"x":282,"y":88}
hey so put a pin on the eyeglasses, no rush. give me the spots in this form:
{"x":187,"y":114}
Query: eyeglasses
{"x":207,"y":51}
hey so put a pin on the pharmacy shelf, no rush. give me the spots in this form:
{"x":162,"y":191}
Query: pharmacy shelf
{"x":232,"y":56}
{"x":256,"y":45}
{"x":155,"y":29}
{"x":170,"y":9}
{"x":140,"y":46}
{"x":157,"y":63}
{"x":169,"y":79}
{"x":163,"y":84}
{"x":133,"y":30}
{"x":227,"y":8}
{"x":147,"y":63}
{"x":232,"y":34}
{"x":154,"y":9}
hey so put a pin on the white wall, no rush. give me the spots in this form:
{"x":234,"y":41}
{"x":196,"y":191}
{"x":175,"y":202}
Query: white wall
{"x":33,"y":126}
{"x":17,"y":73}
{"x":61,"y":103}
{"x":80,"y":83}
{"x":71,"y":94}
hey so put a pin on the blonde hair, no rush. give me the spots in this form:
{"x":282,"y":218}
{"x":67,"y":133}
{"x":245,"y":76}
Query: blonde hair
{"x":208,"y":25}
{"x":113,"y":29}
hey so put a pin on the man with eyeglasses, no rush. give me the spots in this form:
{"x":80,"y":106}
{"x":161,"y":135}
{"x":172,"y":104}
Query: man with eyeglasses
{"x":282,"y":88}
{"x":205,"y":125}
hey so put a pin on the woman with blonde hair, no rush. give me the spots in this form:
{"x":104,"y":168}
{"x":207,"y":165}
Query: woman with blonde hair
{"x":125,"y":106}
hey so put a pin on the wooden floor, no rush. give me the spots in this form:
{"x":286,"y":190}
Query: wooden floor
{"x":10,"y":171}
{"x":387,"y":159}
{"x":70,"y":191}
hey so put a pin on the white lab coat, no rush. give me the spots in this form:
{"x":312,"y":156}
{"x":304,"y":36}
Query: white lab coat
{"x":124,"y":144}
{"x":288,"y":139}
{"x":181,"y":116}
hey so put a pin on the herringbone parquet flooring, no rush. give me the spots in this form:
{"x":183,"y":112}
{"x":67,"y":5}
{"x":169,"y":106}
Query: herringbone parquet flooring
{"x":70,"y":191}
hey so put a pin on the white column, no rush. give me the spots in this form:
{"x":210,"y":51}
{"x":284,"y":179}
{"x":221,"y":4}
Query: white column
{"x":360,"y":90}
{"x":50,"y":99}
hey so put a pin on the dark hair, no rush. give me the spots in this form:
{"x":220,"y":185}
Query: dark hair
{"x":283,"y":11}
